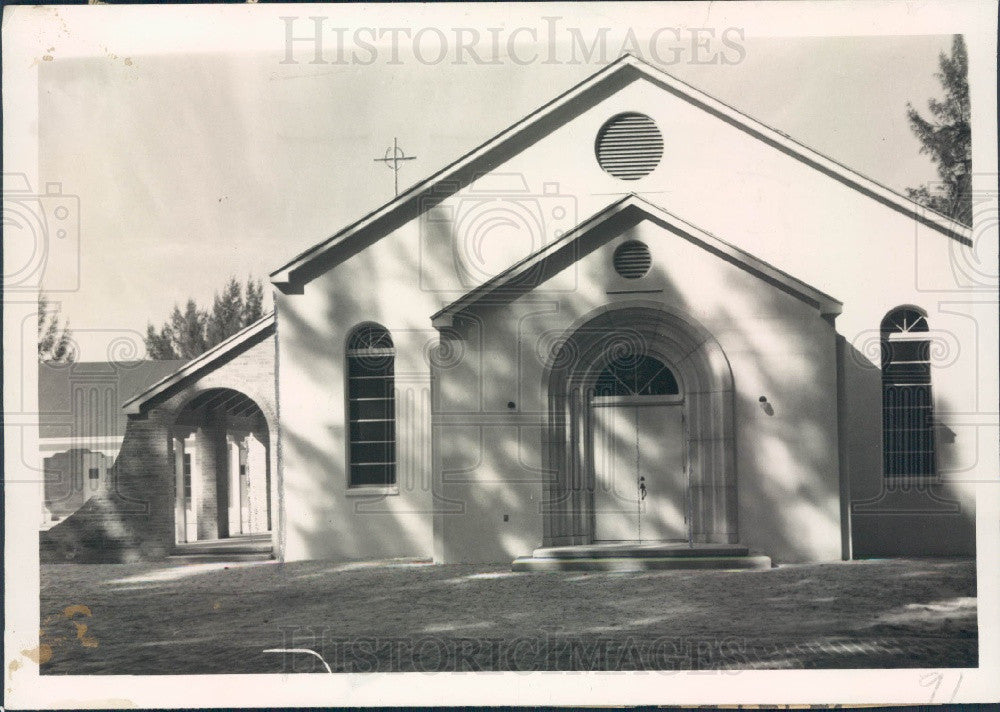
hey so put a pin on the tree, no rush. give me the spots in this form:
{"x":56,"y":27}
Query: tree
{"x":947,"y":138}
{"x":188,"y":328}
{"x":55,"y":341}
{"x":160,"y":344}
{"x":191,"y":332}
{"x":227,"y":313}
{"x":253,"y":307}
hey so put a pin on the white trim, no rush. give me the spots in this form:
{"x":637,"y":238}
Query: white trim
{"x":637,"y":401}
{"x":371,"y":491}
{"x":909,"y":336}
{"x":133,"y":406}
{"x":945,"y":225}
{"x":826,"y":304}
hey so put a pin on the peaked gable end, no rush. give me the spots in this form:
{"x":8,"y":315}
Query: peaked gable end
{"x":532,"y":271}
{"x":485,"y":158}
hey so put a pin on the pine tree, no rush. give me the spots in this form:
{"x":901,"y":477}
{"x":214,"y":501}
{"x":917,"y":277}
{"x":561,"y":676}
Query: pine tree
{"x":160,"y":345}
{"x":947,"y":138}
{"x":55,"y":341}
{"x":188,"y":328}
{"x":226,"y":317}
{"x":253,"y":305}
{"x":191,"y":332}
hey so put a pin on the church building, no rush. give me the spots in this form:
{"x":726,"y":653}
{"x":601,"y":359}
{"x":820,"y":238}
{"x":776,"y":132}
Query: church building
{"x":637,"y":316}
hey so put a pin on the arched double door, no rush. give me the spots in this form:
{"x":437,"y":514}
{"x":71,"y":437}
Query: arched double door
{"x":640,"y":440}
{"x":641,"y":488}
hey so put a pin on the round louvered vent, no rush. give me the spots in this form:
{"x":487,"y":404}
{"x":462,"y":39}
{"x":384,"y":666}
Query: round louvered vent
{"x":629,"y":146}
{"x":632,"y":259}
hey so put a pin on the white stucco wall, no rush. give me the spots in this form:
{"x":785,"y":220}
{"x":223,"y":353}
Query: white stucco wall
{"x":777,"y":346}
{"x":717,"y":177}
{"x":323,"y":518}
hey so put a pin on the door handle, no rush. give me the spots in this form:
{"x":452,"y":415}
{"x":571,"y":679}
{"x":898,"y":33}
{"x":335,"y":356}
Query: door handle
{"x":642,"y":488}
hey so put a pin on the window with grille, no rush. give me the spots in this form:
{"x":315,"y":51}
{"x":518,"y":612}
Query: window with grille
{"x":371,"y":407}
{"x":93,"y":473}
{"x":907,"y":405}
{"x":635,"y":375}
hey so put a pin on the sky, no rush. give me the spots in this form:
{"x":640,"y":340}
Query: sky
{"x":200,"y":158}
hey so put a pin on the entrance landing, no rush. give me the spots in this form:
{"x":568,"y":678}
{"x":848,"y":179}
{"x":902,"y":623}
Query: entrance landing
{"x":641,"y":557}
{"x":244,"y":547}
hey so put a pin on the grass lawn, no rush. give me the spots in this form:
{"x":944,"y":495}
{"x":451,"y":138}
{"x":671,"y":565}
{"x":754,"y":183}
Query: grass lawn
{"x":201,"y":618}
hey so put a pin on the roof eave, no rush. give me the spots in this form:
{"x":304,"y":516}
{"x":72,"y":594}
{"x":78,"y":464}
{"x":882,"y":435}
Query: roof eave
{"x":824,"y":303}
{"x":134,"y":405}
{"x":284,"y":276}
{"x":444,"y":317}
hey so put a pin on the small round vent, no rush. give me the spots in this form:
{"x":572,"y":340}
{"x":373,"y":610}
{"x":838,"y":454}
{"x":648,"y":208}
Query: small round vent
{"x":629,"y":146}
{"x":632,"y":259}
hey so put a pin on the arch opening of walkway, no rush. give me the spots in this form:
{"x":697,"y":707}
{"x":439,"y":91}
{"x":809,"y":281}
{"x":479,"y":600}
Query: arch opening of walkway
{"x":220,"y":448}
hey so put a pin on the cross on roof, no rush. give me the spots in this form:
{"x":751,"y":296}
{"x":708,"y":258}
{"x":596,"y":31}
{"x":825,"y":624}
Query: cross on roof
{"x":393,"y":157}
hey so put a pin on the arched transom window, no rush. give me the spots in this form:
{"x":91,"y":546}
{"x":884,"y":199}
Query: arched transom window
{"x":635,"y":375}
{"x":371,"y":407}
{"x":907,"y":405}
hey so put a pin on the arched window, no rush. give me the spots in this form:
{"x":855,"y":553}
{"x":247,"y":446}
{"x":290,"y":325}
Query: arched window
{"x":634,"y":375}
{"x":907,"y":406}
{"x":371,"y":406}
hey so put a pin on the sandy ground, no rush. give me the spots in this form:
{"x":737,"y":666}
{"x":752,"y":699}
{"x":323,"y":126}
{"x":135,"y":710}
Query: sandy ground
{"x":392,"y":616}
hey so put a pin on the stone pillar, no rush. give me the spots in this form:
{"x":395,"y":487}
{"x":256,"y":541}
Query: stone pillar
{"x":203,"y":480}
{"x":180,"y":517}
{"x":255,"y":454}
{"x":235,"y":518}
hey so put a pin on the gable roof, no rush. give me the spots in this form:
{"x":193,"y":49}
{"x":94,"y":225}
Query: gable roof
{"x":624,"y":70}
{"x":202,"y":363}
{"x":513,"y":281}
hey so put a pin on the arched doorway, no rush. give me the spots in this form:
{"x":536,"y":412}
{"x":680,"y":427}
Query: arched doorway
{"x":221,"y":454}
{"x":639,"y":396}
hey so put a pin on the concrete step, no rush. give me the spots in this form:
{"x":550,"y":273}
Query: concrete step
{"x":641,"y":563}
{"x":252,"y":544}
{"x":635,"y":556}
{"x":218,"y":557}
{"x":248,"y":547}
{"x":624,"y":550}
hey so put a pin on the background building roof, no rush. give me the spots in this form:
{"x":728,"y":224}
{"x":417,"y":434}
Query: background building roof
{"x":85,"y":399}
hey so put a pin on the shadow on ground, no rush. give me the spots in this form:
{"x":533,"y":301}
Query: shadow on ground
{"x":411,"y":616}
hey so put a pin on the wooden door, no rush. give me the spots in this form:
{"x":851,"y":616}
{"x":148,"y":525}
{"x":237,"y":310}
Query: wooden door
{"x":640,"y":473}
